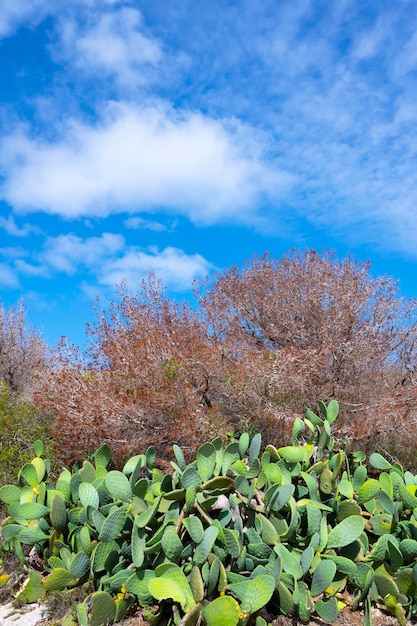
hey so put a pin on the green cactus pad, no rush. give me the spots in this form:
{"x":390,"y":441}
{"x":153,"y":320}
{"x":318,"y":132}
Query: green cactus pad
{"x":346,"y":532}
{"x":80,"y":565}
{"x":322,"y":577}
{"x":203,"y":549}
{"x":327,"y":609}
{"x":368,"y":490}
{"x":206,"y":461}
{"x":88,"y":495}
{"x":103,"y":608}
{"x":223,"y":611}
{"x":171,"y":545}
{"x":172,"y":583}
{"x":118,"y":485}
{"x":9,"y":494}
{"x":113,"y":524}
{"x":58,"y":579}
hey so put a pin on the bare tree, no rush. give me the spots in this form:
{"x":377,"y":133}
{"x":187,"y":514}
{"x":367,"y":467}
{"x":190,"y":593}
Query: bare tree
{"x":23,"y":353}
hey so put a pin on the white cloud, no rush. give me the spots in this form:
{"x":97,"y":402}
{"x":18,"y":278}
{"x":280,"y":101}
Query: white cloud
{"x":139,"y":223}
{"x":175,"y":268}
{"x":108,"y":261}
{"x":141,"y":158}
{"x":13,"y":13}
{"x":66,"y":253}
{"x":8,"y":277}
{"x":9,"y":225}
{"x":111,"y":45}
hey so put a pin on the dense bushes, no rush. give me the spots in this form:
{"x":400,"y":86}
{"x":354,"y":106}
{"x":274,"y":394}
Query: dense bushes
{"x":237,"y":536}
{"x":20,"y":424}
{"x":260,"y":344}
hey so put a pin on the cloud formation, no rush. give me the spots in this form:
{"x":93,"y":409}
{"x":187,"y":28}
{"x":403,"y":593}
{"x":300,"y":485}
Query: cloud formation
{"x":109,"y":44}
{"x":141,"y":159}
{"x":107,"y":259}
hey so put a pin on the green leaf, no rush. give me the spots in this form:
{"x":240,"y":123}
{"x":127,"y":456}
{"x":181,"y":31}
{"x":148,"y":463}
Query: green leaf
{"x":31,"y":536}
{"x":102,"y":455}
{"x":332,"y":411}
{"x":379,"y":462}
{"x":196,"y":584}
{"x":204,"y":547}
{"x":254,"y":448}
{"x":58,"y":513}
{"x":80,"y":565}
{"x":244,"y":441}
{"x":290,"y":563}
{"x":58,"y":579}
{"x":113,"y":524}
{"x":267,"y":530}
{"x":347,"y":531}
{"x":368,"y":490}
{"x":103,"y":608}
{"x":28,"y":473}
{"x":179,"y":455}
{"x":87,"y":472}
{"x":296,"y":454}
{"x":223,"y":611}
{"x":9,"y":494}
{"x":118,"y":485}
{"x":381,"y":524}
{"x":190,"y":478}
{"x":254,"y":593}
{"x":327,"y":609}
{"x":206,"y":461}
{"x":40,"y":467}
{"x":278,"y":497}
{"x":171,"y":544}
{"x":232,"y":542}
{"x":33,"y":590}
{"x":172,"y":583}
{"x":145,"y":518}
{"x":101,"y":553}
{"x":33,"y":510}
{"x":230,"y":454}
{"x":314,"y":419}
{"x":38,"y":447}
{"x":194,"y":528}
{"x":89,"y":495}
{"x":322,"y":577}
{"x":343,"y":565}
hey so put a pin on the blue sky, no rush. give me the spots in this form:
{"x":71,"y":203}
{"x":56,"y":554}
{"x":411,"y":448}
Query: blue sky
{"x":183,"y":137}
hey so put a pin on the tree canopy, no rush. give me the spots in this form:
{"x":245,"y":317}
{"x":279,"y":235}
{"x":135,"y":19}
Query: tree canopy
{"x":259,"y":344}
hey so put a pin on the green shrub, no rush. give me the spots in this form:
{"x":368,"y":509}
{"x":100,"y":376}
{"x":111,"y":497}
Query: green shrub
{"x":20,"y":424}
{"x":236,"y":537}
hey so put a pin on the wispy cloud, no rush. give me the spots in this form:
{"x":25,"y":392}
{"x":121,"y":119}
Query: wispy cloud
{"x":9,"y":225}
{"x":8,"y":277}
{"x":176,"y":269}
{"x":142,"y":158}
{"x":109,"y":43}
{"x":13,"y":14}
{"x":107,"y":260}
{"x":139,"y":223}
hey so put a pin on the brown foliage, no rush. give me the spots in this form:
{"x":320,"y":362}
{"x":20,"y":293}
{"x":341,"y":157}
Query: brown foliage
{"x":146,"y":382}
{"x":330,"y":329}
{"x":265,"y":342}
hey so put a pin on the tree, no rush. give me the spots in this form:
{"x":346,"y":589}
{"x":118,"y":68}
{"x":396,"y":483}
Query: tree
{"x":23,"y":353}
{"x":262,"y":343}
{"x":146,"y":380}
{"x":330,"y":330}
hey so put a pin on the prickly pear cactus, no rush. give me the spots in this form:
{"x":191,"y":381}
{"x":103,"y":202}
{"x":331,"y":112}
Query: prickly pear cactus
{"x":240,"y":535}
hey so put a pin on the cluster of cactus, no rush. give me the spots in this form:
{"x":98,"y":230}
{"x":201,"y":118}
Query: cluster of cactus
{"x":236,"y":536}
